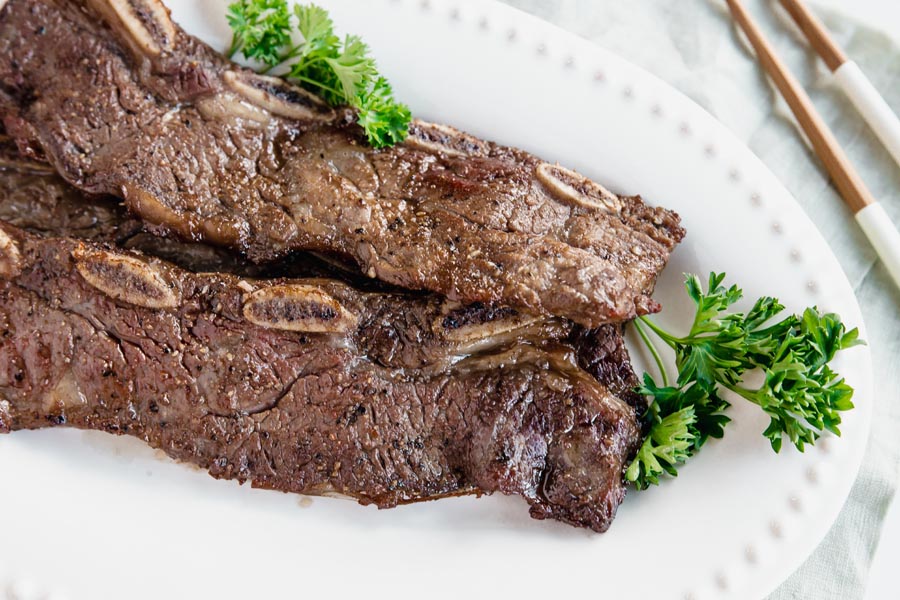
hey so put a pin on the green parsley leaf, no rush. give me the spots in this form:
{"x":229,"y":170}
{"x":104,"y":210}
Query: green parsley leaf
{"x":341,"y":72}
{"x":352,"y":67}
{"x":800,"y":393}
{"x":316,"y":27}
{"x":261,"y":29}
{"x":668,"y":444}
{"x":386,"y":122}
{"x":707,"y":419}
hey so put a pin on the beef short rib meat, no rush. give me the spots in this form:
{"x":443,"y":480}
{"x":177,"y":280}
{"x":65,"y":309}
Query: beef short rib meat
{"x":601,"y":352}
{"x":281,"y":383}
{"x":125,"y":103}
{"x":34,"y":198}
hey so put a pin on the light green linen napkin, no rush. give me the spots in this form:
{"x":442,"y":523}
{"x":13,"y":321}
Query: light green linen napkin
{"x":692,"y":45}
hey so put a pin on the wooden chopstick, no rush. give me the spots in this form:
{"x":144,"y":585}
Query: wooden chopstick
{"x":869,"y":214}
{"x":845,"y":177}
{"x":816,"y":33}
{"x":849,"y":77}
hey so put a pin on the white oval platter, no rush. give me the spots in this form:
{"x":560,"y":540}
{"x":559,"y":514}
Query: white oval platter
{"x":86,"y":516}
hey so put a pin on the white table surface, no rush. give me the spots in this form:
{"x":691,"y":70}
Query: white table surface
{"x":881,"y":14}
{"x":885,"y":15}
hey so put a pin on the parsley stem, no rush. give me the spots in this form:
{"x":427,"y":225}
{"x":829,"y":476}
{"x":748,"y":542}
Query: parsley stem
{"x":661,"y":333}
{"x":653,"y":352}
{"x":235,"y":46}
{"x":294,"y":52}
{"x":315,"y":83}
{"x":740,"y":391}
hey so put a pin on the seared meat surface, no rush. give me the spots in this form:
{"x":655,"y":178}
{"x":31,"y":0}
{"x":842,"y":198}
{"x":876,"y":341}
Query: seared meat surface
{"x":34,"y":198}
{"x":442,"y":317}
{"x":301,"y":385}
{"x":123,"y":102}
{"x":97,"y":338}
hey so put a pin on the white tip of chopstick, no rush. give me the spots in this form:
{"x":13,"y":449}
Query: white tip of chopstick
{"x":871,"y":106}
{"x":884,"y":236}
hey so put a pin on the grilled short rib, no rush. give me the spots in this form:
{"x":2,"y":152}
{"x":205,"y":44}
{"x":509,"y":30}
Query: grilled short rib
{"x":424,"y":332}
{"x":302,"y":385}
{"x":34,"y":198}
{"x":125,"y":103}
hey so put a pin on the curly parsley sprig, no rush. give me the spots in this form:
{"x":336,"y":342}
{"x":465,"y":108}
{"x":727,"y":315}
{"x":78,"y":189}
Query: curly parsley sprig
{"x":799,"y":392}
{"x":340,"y":71}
